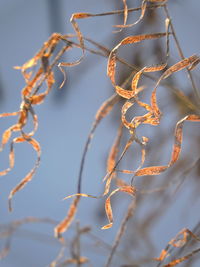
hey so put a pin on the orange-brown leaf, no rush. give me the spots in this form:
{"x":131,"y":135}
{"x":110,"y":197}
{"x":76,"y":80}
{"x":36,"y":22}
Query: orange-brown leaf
{"x":139,"y":38}
{"x":29,"y":176}
{"x":7,"y":114}
{"x":126,"y":189}
{"x":111,"y":161}
{"x":143,"y":10}
{"x":64,"y":225}
{"x":38,"y":99}
{"x":180,"y":65}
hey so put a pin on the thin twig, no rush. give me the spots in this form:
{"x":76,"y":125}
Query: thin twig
{"x":180,"y":51}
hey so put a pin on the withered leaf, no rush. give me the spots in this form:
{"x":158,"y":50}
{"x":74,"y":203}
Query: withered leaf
{"x":7,"y":134}
{"x":177,"y":261}
{"x":181,"y":65}
{"x":126,"y":189}
{"x":29,"y":176}
{"x":178,"y":241}
{"x":38,"y":99}
{"x":111,"y":161}
{"x":128,"y":40}
{"x":156,"y":170}
{"x":65,"y":223}
{"x":143,"y":10}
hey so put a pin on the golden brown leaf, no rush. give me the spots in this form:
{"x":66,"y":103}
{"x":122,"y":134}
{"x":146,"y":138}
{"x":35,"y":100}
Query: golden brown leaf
{"x":156,"y":170}
{"x":157,"y":1}
{"x":181,"y":65}
{"x":108,"y":176}
{"x":126,"y":189}
{"x":143,"y":10}
{"x":177,"y":242}
{"x":38,"y":99}
{"x":111,"y":161}
{"x":29,"y":176}
{"x":128,"y":40}
{"x":79,"y":35}
{"x":26,"y":91}
{"x":7,"y":114}
{"x":7,"y":134}
{"x":139,"y":38}
{"x":177,"y":261}
{"x":65,"y":223}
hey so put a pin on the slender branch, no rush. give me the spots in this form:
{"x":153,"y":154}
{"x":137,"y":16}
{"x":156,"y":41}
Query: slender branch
{"x":180,"y":51}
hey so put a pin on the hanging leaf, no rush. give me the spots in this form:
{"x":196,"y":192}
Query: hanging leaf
{"x":65,"y":223}
{"x":29,"y":176}
{"x":143,"y":10}
{"x":126,"y":189}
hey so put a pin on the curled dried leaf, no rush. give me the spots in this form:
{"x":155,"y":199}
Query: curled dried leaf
{"x":66,"y":222}
{"x":126,"y":189}
{"x":111,"y":161}
{"x":29,"y":176}
{"x":7,"y":134}
{"x":179,"y":241}
{"x":79,"y":34}
{"x":177,"y":261}
{"x":111,"y":66}
{"x":2,"y":115}
{"x":192,"y":60}
{"x":156,"y":170}
{"x":143,"y":10}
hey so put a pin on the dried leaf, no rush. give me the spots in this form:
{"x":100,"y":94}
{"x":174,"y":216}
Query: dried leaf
{"x":178,"y":242}
{"x":79,"y":35}
{"x":156,"y":170}
{"x":108,"y":176}
{"x":26,"y":91}
{"x":2,"y":115}
{"x":64,"y":225}
{"x":111,"y":161}
{"x":143,"y":10}
{"x":79,"y":195}
{"x":176,"y":67}
{"x":125,"y":16}
{"x":126,"y":189}
{"x":139,"y":38}
{"x":150,"y":117}
{"x":181,"y":65}
{"x":38,"y":99}
{"x":125,"y":11}
{"x":128,"y":40}
{"x":177,"y":261}
{"x":29,"y":176}
{"x":157,"y":1}
{"x":64,"y":75}
{"x":7,"y":134}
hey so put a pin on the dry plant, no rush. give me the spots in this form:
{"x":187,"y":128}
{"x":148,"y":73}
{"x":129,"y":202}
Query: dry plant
{"x":138,"y":88}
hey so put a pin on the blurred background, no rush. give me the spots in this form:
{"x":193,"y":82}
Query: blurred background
{"x":65,"y":119}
